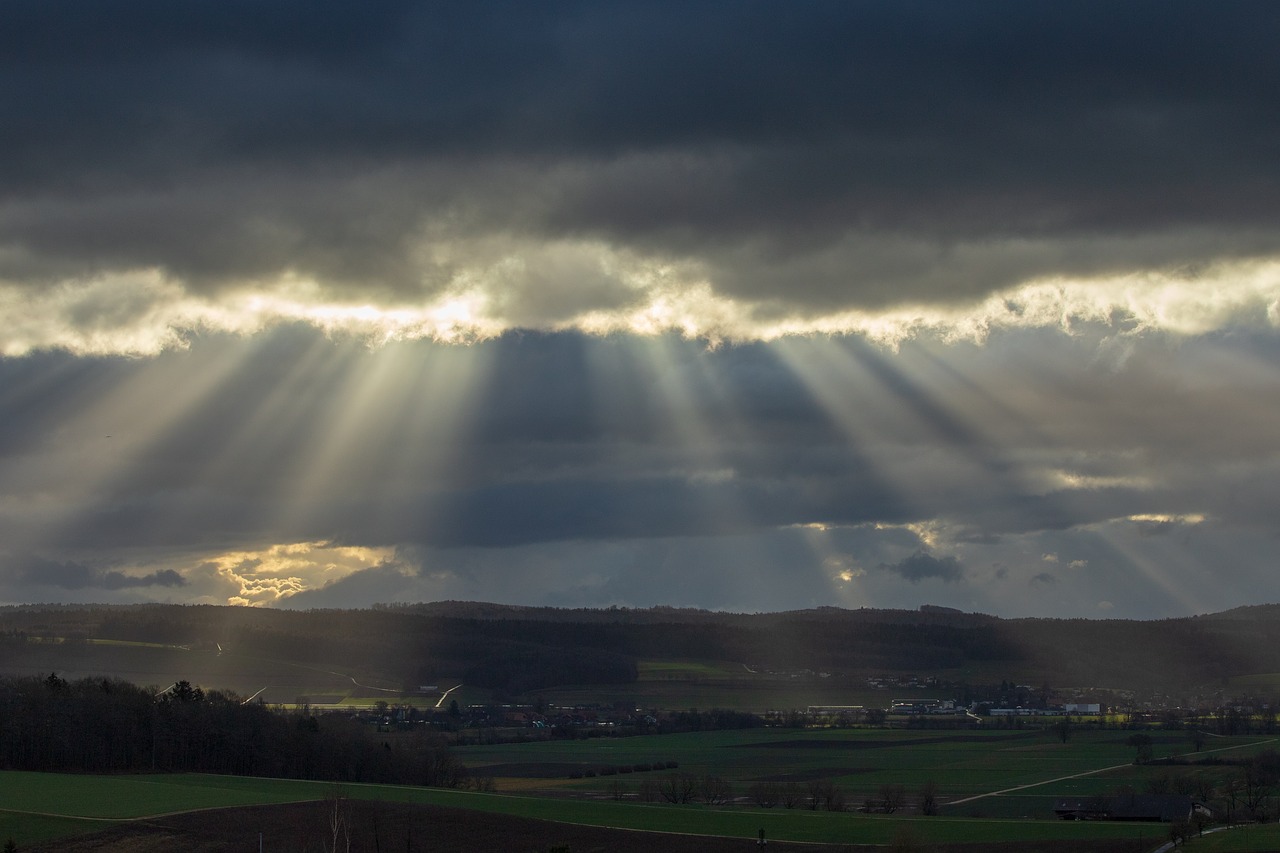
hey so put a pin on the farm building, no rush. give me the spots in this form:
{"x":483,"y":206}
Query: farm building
{"x":1149,"y":807}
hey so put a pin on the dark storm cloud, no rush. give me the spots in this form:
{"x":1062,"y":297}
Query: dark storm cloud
{"x":822,"y":155}
{"x":922,"y":566}
{"x":27,"y":570}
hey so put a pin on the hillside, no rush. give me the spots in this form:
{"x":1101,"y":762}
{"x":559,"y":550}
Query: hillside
{"x":516,"y":650}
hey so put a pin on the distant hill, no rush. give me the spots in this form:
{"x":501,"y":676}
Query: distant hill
{"x":517,"y":650}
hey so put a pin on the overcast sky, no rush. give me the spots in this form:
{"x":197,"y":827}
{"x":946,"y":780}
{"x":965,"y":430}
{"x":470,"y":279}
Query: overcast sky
{"x":746,"y":306}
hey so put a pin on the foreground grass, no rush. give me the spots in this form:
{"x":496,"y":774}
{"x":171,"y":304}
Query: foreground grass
{"x":112,"y":798}
{"x":1240,"y":839}
{"x":26,"y":829}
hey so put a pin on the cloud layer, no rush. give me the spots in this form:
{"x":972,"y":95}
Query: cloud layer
{"x":718,"y":304}
{"x":722,"y":169}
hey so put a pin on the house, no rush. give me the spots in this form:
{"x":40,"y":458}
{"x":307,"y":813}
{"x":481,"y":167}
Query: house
{"x":1148,"y":807}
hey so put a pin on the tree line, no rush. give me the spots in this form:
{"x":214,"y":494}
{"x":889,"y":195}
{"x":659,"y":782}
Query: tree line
{"x":104,"y":725}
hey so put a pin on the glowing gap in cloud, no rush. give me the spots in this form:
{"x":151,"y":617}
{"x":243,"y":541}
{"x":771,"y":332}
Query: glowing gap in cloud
{"x":269,"y":575}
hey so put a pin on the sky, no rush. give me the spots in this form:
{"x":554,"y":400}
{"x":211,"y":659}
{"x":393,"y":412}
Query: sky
{"x":735,"y":305}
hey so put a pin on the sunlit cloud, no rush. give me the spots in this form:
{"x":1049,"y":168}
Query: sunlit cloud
{"x":1060,"y":480}
{"x":844,"y":567}
{"x":145,"y":312}
{"x":1162,"y":518}
{"x":269,"y":575}
{"x":932,"y":533}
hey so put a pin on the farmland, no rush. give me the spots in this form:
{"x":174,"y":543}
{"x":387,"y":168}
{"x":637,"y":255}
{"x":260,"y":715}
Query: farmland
{"x":534,"y":783}
{"x":962,"y":765}
{"x":117,"y":798}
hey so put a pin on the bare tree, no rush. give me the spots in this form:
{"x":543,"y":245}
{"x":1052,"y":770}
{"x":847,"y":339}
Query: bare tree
{"x":825,"y":795}
{"x":714,"y":790}
{"x":891,"y":797}
{"x":835,"y":798}
{"x":929,"y":798}
{"x":789,"y":795}
{"x":764,"y":794}
{"x":816,"y":791}
{"x":1257,"y":791}
{"x":678,"y":788}
{"x":1232,"y":794}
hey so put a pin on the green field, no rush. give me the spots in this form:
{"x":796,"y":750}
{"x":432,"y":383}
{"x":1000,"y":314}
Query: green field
{"x":26,"y":828}
{"x":1240,"y":839}
{"x":963,"y":765}
{"x":117,"y":798}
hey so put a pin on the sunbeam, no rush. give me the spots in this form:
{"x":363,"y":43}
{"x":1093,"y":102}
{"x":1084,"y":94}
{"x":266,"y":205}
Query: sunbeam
{"x":115,"y":430}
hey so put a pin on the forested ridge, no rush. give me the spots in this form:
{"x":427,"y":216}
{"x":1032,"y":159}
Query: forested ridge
{"x":517,"y":650}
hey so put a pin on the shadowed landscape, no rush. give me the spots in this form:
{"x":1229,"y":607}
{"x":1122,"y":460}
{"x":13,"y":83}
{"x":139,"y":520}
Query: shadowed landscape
{"x":523,"y":650}
{"x":495,"y":722}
